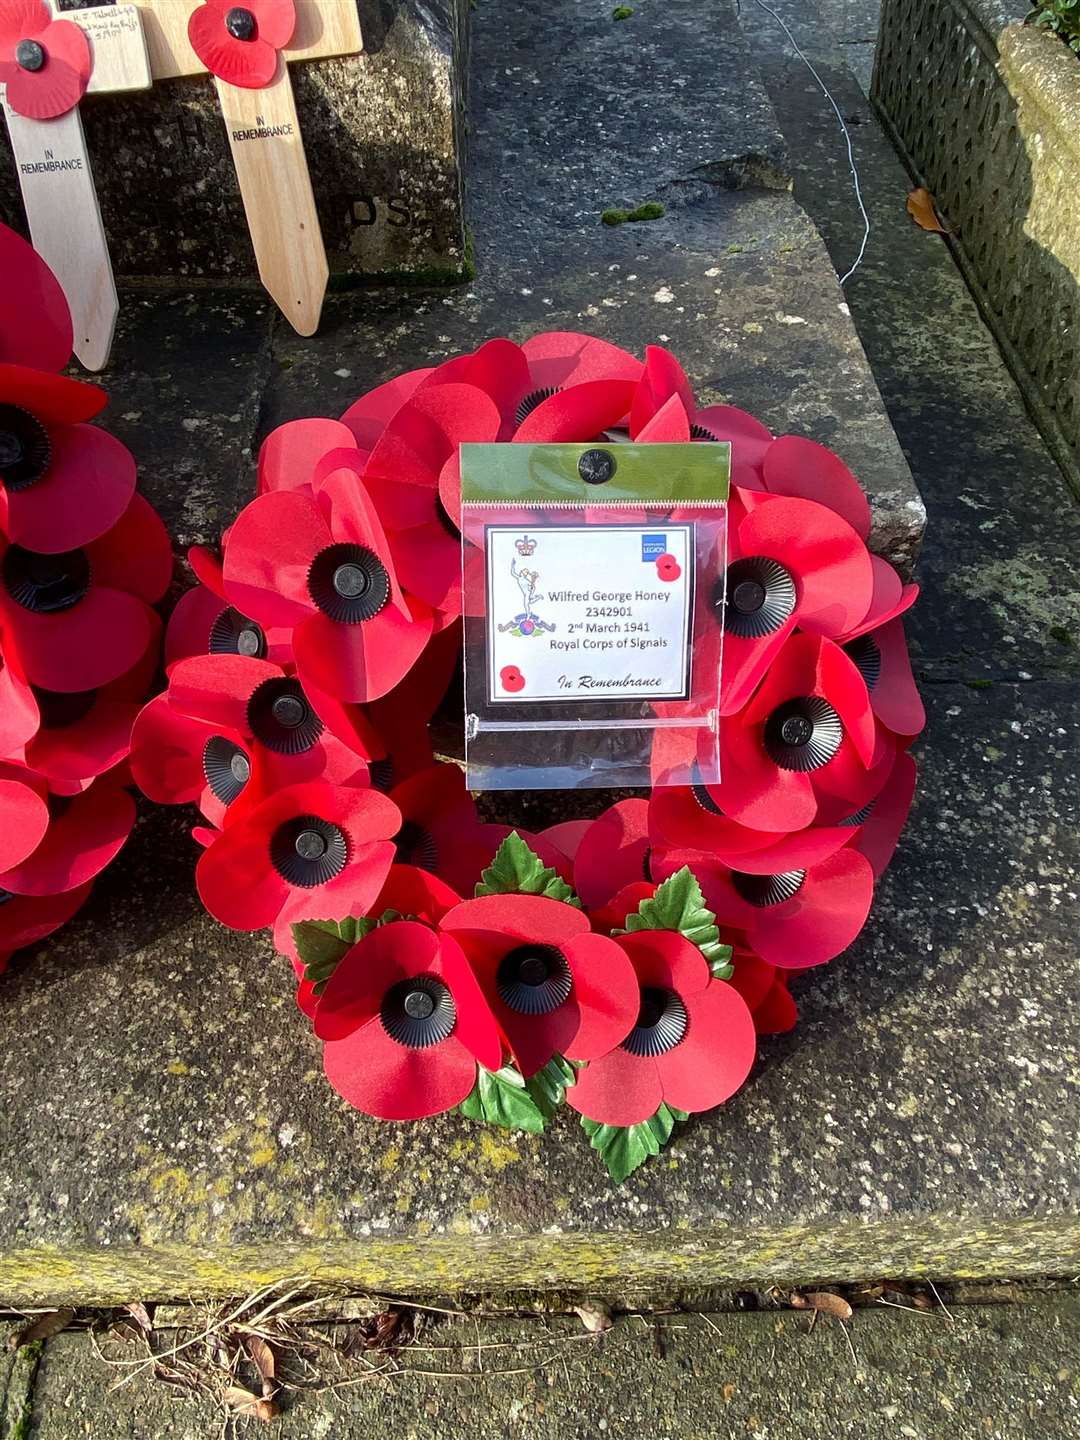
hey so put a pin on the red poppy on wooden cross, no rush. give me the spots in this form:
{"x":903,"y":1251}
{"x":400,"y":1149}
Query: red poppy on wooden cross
{"x":47,"y":64}
{"x":247,"y":46}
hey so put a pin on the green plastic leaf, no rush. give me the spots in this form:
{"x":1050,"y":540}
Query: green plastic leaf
{"x":500,"y":1098}
{"x":323,"y":944}
{"x":517,"y":870}
{"x":679,"y":905}
{"x":548,"y":1086}
{"x":624,"y":1147}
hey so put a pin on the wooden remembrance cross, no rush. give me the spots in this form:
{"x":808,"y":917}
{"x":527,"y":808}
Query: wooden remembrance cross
{"x":267,"y":148}
{"x":58,"y":186}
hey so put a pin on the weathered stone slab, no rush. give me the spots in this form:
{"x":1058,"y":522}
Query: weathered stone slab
{"x":988,"y":114}
{"x":170,"y":1131}
{"x":1009,"y":1373}
{"x":384,"y":136}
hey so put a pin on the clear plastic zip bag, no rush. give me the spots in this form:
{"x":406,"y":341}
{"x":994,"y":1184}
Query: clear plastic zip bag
{"x":593,"y":585}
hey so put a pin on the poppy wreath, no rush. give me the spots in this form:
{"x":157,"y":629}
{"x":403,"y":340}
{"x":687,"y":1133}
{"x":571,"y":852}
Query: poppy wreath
{"x":624,"y":964}
{"x":83,"y":559}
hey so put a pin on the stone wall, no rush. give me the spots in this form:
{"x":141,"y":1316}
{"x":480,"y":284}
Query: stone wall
{"x":383,"y":132}
{"x":987,"y":113}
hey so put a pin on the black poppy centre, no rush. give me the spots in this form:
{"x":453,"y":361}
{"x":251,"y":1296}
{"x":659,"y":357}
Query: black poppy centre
{"x":757,"y":596}
{"x":803,"y":734}
{"x":866,"y":657}
{"x":416,"y":846}
{"x":227,"y":768}
{"x":418,"y":1012}
{"x":25,"y":450}
{"x":533,"y":979}
{"x":240,"y":23}
{"x":30,"y":55}
{"x":661,"y":1023}
{"x":349,"y":583}
{"x":308,"y":851}
{"x":701,"y":794}
{"x":46,"y":584}
{"x":764,"y":891}
{"x":234,"y":634}
{"x":528,"y":403}
{"x":280,"y":716}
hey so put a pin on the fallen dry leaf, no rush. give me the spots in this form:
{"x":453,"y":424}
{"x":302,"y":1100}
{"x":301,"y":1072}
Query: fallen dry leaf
{"x":245,"y":1403}
{"x":263,"y":1357}
{"x":139,"y":1312}
{"x":823,"y":1301}
{"x":595,"y":1318}
{"x":41,"y":1328}
{"x":921,"y":208}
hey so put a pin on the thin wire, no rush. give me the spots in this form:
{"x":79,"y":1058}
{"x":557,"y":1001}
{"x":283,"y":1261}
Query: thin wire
{"x":843,"y":126}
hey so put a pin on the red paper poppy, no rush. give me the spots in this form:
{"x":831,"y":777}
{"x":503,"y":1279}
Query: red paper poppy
{"x":520,"y":378}
{"x":324,"y":569}
{"x":765,"y":990}
{"x":172,"y":756}
{"x":369,"y":416}
{"x":413,"y":478}
{"x":554,"y":986}
{"x":405,"y":1023}
{"x":880,"y":825}
{"x":626,"y":901}
{"x":883,"y":661}
{"x":793,"y":918}
{"x":19,"y":715}
{"x":791,"y":563}
{"x":311,"y":851}
{"x":290,"y":456}
{"x":204,"y":623}
{"x":409,"y":892}
{"x":692,"y":1047}
{"x":29,"y":919}
{"x":85,"y":832}
{"x":65,"y":483}
{"x":613,"y":852}
{"x":440,"y":830}
{"x":87,"y":733}
{"x":808,"y":733}
{"x":240,"y":43}
{"x":256,"y":705}
{"x":44,"y":63}
{"x":72,"y":617}
{"x":35,"y":323}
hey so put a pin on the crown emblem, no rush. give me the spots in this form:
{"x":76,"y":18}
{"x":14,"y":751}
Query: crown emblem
{"x":526,"y":545}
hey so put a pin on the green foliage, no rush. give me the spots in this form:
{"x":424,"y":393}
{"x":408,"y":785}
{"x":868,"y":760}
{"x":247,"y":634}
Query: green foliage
{"x":501,"y":1098}
{"x":650,"y":210}
{"x":548,"y":1086}
{"x":622,"y":12}
{"x":517,"y":870}
{"x":679,"y":905}
{"x":624,"y":1147}
{"x":1061,"y":16}
{"x":323,"y":944}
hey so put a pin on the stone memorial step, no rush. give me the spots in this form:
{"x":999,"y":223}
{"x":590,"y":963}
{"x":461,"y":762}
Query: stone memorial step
{"x":167,"y":1129}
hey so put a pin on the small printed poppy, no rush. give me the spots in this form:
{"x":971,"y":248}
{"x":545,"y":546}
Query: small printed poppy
{"x":44,"y":63}
{"x":511,"y":679}
{"x":668,"y":568}
{"x":692,"y":1046}
{"x":405,"y":1024}
{"x":240,"y":43}
{"x":554,"y":986}
{"x":323,"y":569}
